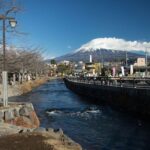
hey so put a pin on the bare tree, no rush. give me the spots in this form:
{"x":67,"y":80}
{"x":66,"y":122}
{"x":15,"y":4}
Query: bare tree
{"x":20,"y":60}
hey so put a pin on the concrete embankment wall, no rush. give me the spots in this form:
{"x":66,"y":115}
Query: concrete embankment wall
{"x":18,"y":89}
{"x":130,"y":99}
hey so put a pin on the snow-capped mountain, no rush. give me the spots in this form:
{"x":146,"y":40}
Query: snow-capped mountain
{"x":108,"y":49}
{"x":114,"y":44}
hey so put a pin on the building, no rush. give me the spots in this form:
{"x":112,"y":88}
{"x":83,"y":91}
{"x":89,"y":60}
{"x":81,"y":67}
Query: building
{"x":65,"y":62}
{"x":79,"y":67}
{"x":140,"y":62}
{"x":90,"y":67}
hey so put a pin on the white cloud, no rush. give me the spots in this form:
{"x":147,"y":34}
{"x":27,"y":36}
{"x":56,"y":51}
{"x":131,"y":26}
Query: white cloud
{"x":115,"y":44}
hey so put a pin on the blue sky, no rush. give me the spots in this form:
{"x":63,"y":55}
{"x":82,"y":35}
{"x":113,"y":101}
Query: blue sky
{"x":61,"y":26}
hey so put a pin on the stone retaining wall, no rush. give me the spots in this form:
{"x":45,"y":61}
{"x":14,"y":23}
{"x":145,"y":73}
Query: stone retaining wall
{"x":19,"y":114}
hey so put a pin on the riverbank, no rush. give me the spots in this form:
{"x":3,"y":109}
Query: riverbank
{"x":19,"y":125}
{"x":38,"y":140}
{"x":20,"y":138}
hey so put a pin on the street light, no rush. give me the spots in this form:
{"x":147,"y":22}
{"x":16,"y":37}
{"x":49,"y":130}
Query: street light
{"x":12,"y":23}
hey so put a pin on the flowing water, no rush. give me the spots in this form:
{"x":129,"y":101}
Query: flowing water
{"x":94,"y":127}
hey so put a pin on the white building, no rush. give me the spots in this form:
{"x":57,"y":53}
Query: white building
{"x":140,"y":62}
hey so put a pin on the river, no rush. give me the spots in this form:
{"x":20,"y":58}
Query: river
{"x":94,"y":127}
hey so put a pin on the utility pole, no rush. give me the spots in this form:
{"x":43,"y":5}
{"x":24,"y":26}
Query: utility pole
{"x":102,"y":59}
{"x":146,"y":62}
{"x":126,"y":59}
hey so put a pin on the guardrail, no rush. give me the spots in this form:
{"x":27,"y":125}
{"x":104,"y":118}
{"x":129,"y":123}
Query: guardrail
{"x":134,"y":82}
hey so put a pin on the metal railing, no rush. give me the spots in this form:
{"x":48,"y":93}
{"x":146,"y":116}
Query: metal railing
{"x":132,"y":82}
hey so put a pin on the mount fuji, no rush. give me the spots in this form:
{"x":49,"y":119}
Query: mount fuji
{"x":107,"y":49}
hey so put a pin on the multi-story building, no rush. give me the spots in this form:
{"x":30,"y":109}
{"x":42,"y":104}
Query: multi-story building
{"x":140,"y":62}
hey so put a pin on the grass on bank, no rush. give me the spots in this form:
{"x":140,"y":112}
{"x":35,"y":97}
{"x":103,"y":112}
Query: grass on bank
{"x":28,"y":86}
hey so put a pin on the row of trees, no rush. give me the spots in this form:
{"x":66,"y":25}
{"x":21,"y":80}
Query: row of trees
{"x":19,"y":60}
{"x":22,"y":63}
